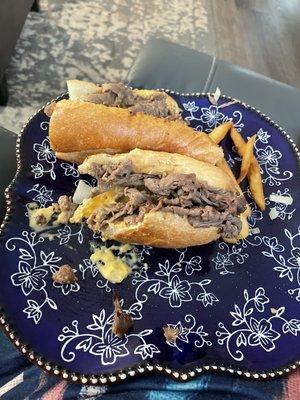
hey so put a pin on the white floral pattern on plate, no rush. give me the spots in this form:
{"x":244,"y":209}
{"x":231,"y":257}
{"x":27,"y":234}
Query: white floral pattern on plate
{"x":99,"y":341}
{"x":169,"y":286}
{"x":287,"y":260}
{"x":268,"y":159}
{"x":70,"y":170}
{"x":44,"y":153}
{"x":187,"y":330}
{"x":65,"y":233}
{"x":42,"y":194}
{"x":253,"y":331}
{"x":211,"y":116}
{"x":33,"y":266}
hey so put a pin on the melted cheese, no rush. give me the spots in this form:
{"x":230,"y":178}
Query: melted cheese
{"x":34,"y":213}
{"x":90,"y":205}
{"x":115,"y":268}
{"x":111,"y":267}
{"x":122,"y":248}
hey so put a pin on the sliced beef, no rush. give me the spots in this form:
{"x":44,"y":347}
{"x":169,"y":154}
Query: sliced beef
{"x":98,"y":219}
{"x":124,"y":96}
{"x":122,"y":321}
{"x":134,"y":200}
{"x":171,"y":182}
{"x":65,"y":203}
{"x":118,"y":171}
{"x":107,"y":99}
{"x":66,"y":208}
{"x":111,"y":173}
{"x":120,"y":174}
{"x":156,"y":107}
{"x":231,"y":227}
{"x":118,"y":95}
{"x":135,"y":197}
{"x":65,"y":275}
{"x":40,"y":220}
{"x":112,"y":95}
{"x":183,"y":187}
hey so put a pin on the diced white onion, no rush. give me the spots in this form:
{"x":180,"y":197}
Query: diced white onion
{"x":217,"y":95}
{"x":255,"y":231}
{"x":82,"y":192}
{"x":281,"y":199}
{"x":273,"y":214}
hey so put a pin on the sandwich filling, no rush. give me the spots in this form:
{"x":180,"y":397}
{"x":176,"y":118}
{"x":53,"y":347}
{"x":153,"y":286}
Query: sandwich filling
{"x":181,"y":194}
{"x":118,"y":95}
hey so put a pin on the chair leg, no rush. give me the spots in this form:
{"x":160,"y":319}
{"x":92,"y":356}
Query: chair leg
{"x":36,"y":6}
{"x":3,"y":91}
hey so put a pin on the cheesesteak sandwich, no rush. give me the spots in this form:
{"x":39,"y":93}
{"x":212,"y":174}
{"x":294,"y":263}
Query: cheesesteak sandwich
{"x":160,"y":199}
{"x":113,"y":118}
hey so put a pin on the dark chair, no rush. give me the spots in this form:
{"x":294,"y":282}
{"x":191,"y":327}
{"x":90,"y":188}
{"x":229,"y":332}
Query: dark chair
{"x":13,"y":14}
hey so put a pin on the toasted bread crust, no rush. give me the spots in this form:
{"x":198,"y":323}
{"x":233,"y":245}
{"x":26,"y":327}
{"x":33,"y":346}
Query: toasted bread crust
{"x":160,"y":229}
{"x":77,"y":126}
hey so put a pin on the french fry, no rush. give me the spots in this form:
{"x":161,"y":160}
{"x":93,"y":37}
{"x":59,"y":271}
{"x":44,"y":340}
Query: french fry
{"x":220,"y":132}
{"x":247,"y":158}
{"x":238,"y":141}
{"x":253,"y":175}
{"x":256,"y":185}
{"x":225,"y":167}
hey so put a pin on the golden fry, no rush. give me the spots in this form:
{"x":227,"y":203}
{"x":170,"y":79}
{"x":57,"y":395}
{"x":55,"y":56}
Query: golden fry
{"x":220,"y":132}
{"x":247,"y":158}
{"x":225,"y":167}
{"x":256,"y":185}
{"x":238,"y":141}
{"x":254,"y":176}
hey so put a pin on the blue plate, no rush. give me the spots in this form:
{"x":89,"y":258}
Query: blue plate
{"x":237,"y":307}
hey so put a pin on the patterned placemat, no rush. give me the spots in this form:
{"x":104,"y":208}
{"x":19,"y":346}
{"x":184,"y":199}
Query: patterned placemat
{"x":92,"y":40}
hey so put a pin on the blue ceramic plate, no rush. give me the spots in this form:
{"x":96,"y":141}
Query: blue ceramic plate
{"x":237,"y":307}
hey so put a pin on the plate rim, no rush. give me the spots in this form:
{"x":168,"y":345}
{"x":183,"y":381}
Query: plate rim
{"x":182,"y":374}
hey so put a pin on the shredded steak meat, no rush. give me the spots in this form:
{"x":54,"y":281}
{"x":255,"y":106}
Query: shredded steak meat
{"x":170,"y":333}
{"x":66,"y":208}
{"x":156,"y":106}
{"x":118,"y":95}
{"x":97,"y":219}
{"x":65,"y":275}
{"x":40,"y":220}
{"x":180,"y":194}
{"x":122,"y":321}
{"x":65,"y":203}
{"x":113,"y":95}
